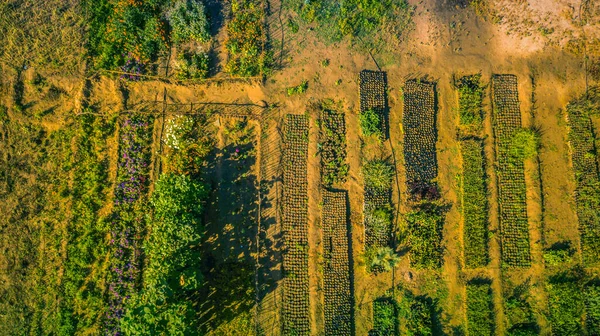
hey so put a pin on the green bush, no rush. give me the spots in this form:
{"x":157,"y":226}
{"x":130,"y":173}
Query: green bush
{"x":558,"y":254}
{"x":298,"y":89}
{"x":378,"y":175}
{"x":188,"y":21}
{"x":381,"y":258}
{"x":370,"y":123}
{"x":480,"y":310}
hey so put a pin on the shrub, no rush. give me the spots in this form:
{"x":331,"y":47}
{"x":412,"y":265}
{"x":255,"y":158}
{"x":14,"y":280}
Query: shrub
{"x":559,"y":253}
{"x":188,"y":21}
{"x":378,"y":175}
{"x":298,"y":89}
{"x":381,"y":258}
{"x":370,"y":123}
{"x":592,"y":308}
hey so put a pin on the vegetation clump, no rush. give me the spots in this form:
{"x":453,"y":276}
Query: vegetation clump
{"x":378,"y":175}
{"x":424,"y":226}
{"x":470,"y":101}
{"x":370,"y":123}
{"x":298,"y":89}
{"x":480,"y":310}
{"x":188,"y":21}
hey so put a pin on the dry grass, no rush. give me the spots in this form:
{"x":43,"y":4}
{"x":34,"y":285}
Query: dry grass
{"x":47,"y":34}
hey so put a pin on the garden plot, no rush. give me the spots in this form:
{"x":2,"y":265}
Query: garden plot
{"x":128,"y":217}
{"x":295,"y":226}
{"x":420,"y":137}
{"x":585,"y":164}
{"x":480,"y":308}
{"x":373,"y":97}
{"x":378,"y":214}
{"x":336,"y":274}
{"x":511,"y":175}
{"x":474,"y":204}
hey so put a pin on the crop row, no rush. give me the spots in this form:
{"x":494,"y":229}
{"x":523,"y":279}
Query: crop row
{"x":474,"y":204}
{"x":585,"y":164}
{"x":373,"y":96}
{"x":336,"y":273}
{"x":420,"y":137}
{"x":511,"y":173}
{"x":332,"y":142}
{"x":480,"y":309}
{"x":131,"y":187}
{"x":295,"y":226}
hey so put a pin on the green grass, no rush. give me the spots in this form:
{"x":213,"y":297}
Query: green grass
{"x":480,"y":310}
{"x":592,"y":308}
{"x":385,"y":319}
{"x":378,"y":175}
{"x":474,"y":204}
{"x":370,"y":123}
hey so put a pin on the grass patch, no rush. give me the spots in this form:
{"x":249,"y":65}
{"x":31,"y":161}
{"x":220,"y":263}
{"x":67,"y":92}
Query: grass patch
{"x":470,"y":101}
{"x":425,"y":236}
{"x":566,"y":304}
{"x":370,"y":123}
{"x":298,"y":89}
{"x":378,"y":175}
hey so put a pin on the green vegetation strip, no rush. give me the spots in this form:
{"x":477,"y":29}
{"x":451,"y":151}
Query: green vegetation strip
{"x":480,"y":309}
{"x":332,"y":146}
{"x":585,"y":163}
{"x":474,"y":204}
{"x":296,"y":319}
{"x":385,"y":317}
{"x":511,"y":173}
{"x":338,"y":296}
{"x":378,"y":176}
{"x":425,"y":226}
{"x":565,"y":304}
{"x":470,"y":102}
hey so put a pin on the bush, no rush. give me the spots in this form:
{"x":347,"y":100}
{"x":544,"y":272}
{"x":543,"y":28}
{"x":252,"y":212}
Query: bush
{"x":188,"y":21}
{"x":298,"y":89}
{"x":559,"y":253}
{"x":370,"y":123}
{"x":381,"y":259}
{"x":592,"y":308}
{"x":378,"y":175}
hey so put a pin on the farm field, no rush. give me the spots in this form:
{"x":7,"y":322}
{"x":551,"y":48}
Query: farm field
{"x":270,"y":167}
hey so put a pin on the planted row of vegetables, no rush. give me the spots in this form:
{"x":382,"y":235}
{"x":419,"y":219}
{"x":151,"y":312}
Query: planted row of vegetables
{"x":338,"y":294}
{"x":295,"y":226}
{"x":474,"y":204}
{"x":511,"y":173}
{"x":420,"y":137}
{"x":573,"y":303}
{"x":373,"y":103}
{"x":480,"y":308}
{"x":128,"y":220}
{"x":587,"y":177}
{"x":332,"y":145}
